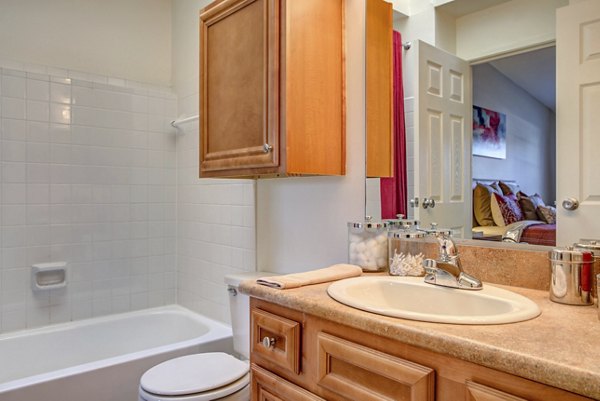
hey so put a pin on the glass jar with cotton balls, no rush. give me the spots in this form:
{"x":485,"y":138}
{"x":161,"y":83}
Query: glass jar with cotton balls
{"x":368,"y":245}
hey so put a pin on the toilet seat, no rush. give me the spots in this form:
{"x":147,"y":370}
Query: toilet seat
{"x":197,"y":377}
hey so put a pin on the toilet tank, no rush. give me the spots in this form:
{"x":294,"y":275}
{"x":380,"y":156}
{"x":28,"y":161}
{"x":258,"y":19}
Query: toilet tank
{"x":239,"y":309}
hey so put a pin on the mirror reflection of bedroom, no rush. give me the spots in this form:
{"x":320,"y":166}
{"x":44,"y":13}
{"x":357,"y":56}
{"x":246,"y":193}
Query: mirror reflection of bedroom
{"x":514,"y":148}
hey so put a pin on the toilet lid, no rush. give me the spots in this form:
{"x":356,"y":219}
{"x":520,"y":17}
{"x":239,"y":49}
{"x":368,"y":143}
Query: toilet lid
{"x":193,"y":374}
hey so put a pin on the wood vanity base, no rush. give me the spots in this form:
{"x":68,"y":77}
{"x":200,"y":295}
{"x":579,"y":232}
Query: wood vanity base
{"x":340,"y":363}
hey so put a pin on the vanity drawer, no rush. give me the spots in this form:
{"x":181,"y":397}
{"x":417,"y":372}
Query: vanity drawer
{"x":267,"y":386}
{"x":276,"y":339}
{"x":360,"y":373}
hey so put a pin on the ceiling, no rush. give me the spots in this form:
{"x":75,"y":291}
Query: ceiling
{"x":458,"y":8}
{"x":533,"y":71}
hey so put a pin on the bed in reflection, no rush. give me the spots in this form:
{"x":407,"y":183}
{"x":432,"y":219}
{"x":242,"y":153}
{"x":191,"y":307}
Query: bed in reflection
{"x":502,"y":212}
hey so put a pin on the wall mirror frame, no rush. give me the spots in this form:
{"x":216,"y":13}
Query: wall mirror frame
{"x":377,"y":88}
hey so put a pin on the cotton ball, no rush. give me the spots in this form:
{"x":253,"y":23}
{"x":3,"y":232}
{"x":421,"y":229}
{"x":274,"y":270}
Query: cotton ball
{"x":381,"y":251}
{"x":352,"y":247}
{"x":371,"y":243}
{"x":362,"y":260}
{"x":381,"y":238}
{"x":381,"y":262}
{"x":360,"y":246}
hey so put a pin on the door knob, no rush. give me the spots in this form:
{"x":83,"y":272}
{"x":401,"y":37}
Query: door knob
{"x":428,"y":203}
{"x":414,"y":202}
{"x":570,"y":204}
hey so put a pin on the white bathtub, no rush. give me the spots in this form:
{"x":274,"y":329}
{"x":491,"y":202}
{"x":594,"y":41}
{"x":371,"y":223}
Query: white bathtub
{"x":101,"y":359}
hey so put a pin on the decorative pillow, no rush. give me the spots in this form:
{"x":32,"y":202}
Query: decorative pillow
{"x":481,"y":204}
{"x":529,"y":205}
{"x":509,"y":188}
{"x":547,"y":214}
{"x":505,"y":209}
{"x":496,"y":187}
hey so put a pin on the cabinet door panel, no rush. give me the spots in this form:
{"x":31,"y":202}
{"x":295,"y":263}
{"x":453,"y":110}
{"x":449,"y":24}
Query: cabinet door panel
{"x":267,"y":386}
{"x":239,"y":56}
{"x":479,"y":392}
{"x":285,"y":351}
{"x":380,"y":84}
{"x":364,"y":374}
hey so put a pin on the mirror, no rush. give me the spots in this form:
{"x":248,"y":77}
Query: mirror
{"x":521,"y":86}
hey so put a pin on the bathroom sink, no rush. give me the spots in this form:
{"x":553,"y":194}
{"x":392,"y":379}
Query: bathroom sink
{"x":411,"y":298}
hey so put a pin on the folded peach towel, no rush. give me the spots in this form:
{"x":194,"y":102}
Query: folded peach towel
{"x":331,"y":273}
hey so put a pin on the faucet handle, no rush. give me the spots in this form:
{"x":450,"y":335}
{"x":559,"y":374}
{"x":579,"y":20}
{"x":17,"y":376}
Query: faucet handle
{"x":430,"y":266}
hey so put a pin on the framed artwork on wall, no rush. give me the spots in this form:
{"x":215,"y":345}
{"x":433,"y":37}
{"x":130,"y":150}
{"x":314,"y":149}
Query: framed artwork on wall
{"x":489,"y":133}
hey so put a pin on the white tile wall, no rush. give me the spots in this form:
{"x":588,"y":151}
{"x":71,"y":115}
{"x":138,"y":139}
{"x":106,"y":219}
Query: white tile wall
{"x":88,"y":176}
{"x":215,"y":227}
{"x":409,"y":113}
{"x":216,"y":218}
{"x":373,"y":198}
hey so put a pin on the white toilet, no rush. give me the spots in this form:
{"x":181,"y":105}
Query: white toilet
{"x":211,"y":375}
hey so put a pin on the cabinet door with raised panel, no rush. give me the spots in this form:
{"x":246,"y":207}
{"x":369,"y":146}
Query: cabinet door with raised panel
{"x":479,"y":392}
{"x":361,"y":373}
{"x":275,"y":339}
{"x":267,"y":386}
{"x":239,"y":88}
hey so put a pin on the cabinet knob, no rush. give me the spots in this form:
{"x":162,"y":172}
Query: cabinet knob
{"x":267,"y":148}
{"x":268,"y":342}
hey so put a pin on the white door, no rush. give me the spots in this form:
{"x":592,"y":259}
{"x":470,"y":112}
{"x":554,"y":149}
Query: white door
{"x":578,"y":121}
{"x":443,"y":131}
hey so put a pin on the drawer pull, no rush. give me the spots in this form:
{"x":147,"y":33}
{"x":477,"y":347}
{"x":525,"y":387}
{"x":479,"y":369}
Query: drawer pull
{"x":268,"y":342}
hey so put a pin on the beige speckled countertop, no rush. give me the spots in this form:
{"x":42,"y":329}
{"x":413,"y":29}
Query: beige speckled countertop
{"x":560,"y":348}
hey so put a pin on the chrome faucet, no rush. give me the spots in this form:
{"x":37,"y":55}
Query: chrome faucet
{"x":447,"y":270}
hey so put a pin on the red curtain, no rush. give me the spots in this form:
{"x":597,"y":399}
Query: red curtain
{"x":393,"y":190}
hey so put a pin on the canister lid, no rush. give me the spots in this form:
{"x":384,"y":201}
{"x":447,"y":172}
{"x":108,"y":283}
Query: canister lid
{"x":368,"y":223}
{"x":402,"y":223}
{"x":403,"y":234}
{"x":434,"y":229}
{"x":588,"y":245}
{"x":568,"y":255}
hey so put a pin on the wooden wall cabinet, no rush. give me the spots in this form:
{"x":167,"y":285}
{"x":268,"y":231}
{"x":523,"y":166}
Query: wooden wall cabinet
{"x":272,"y":80}
{"x":379,"y":80}
{"x":340,"y":363}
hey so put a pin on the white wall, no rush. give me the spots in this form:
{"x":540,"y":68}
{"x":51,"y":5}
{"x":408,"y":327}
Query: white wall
{"x":302,"y":221}
{"x":445,"y":32}
{"x":417,"y":26}
{"x":215,"y":218}
{"x":128,"y":39}
{"x":508,"y":26}
{"x":88,"y":174}
{"x":530,"y":134}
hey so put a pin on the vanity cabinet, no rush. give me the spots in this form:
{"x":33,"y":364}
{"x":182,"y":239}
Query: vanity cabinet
{"x":272,"y":80}
{"x":341,"y":363}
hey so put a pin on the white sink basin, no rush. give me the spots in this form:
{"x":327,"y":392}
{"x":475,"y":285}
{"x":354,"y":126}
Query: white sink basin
{"x":411,"y":298}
